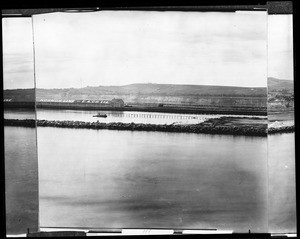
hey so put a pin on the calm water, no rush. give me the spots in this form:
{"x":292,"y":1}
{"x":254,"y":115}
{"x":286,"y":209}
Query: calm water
{"x":21,"y":179}
{"x":282,"y":192}
{"x":124,"y":116}
{"x":19,"y":114}
{"x":150,"y":179}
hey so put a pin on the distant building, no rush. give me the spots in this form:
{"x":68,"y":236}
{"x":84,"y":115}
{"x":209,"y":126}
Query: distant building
{"x":117,"y":102}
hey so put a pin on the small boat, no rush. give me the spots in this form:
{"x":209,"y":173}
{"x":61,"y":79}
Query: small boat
{"x":100,"y":115}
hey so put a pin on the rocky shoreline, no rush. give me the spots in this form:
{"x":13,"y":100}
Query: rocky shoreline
{"x":212,"y":126}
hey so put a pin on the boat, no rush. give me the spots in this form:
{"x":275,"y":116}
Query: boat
{"x":100,"y":115}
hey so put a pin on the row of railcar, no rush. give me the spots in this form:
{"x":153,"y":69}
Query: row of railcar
{"x":106,"y":103}
{"x":52,"y":100}
{"x":93,"y":101}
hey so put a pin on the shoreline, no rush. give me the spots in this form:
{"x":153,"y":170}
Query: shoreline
{"x":212,"y":126}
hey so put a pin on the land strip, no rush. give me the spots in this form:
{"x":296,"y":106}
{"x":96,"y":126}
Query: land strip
{"x":141,"y":108}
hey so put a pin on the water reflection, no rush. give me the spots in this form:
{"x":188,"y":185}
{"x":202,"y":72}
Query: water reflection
{"x":150,"y":179}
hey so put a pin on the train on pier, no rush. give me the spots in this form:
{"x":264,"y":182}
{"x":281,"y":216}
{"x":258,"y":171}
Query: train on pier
{"x":117,"y":103}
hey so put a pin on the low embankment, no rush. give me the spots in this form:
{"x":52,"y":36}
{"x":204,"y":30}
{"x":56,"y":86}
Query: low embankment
{"x":281,"y":127}
{"x":212,"y":126}
{"x":142,"y":108}
{"x":281,"y":121}
{"x":165,"y":109}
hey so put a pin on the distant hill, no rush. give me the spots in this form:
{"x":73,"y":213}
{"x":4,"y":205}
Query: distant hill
{"x":155,"y":94}
{"x":279,"y":84}
{"x":20,"y":95}
{"x":158,"y":90}
{"x":147,"y":94}
{"x":179,"y":90}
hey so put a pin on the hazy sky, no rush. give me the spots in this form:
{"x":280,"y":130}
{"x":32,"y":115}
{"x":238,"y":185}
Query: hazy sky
{"x":17,"y":53}
{"x":280,"y":46}
{"x":124,"y":47}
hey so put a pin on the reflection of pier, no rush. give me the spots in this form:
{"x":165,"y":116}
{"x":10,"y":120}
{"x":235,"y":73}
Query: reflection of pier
{"x":157,"y":116}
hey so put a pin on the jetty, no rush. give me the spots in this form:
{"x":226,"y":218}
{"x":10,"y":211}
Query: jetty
{"x":212,"y":126}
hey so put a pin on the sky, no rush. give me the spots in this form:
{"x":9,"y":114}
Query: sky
{"x":17,"y":53}
{"x":125,"y":47}
{"x":280,"y":46}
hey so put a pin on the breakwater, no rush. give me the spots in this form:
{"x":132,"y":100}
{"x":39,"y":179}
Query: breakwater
{"x":284,"y":129}
{"x":20,"y":122}
{"x":208,"y":127}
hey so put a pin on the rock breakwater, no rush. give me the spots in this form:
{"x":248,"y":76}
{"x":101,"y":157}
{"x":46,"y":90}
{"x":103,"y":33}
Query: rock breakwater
{"x":213,"y":126}
{"x":283,"y":129}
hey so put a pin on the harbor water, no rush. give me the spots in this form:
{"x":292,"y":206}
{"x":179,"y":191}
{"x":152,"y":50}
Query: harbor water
{"x":126,"y":116}
{"x":125,"y":179}
{"x":21,"y":180}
